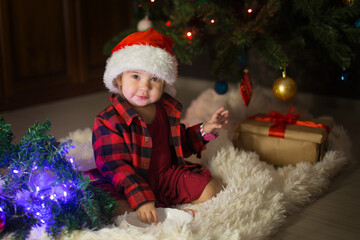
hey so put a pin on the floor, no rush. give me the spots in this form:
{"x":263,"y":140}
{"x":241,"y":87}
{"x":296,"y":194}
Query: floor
{"x":335,"y":215}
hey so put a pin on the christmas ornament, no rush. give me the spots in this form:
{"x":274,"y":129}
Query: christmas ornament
{"x":221,"y":87}
{"x":144,"y":24}
{"x":2,"y":220}
{"x":284,"y":88}
{"x":246,"y":87}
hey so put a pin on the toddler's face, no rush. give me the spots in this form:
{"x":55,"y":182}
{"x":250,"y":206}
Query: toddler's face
{"x":140,"y":88}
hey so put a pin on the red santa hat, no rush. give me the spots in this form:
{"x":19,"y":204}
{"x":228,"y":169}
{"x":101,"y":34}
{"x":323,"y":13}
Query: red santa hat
{"x":149,"y":51}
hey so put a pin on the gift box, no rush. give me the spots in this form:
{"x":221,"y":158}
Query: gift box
{"x":283,"y":140}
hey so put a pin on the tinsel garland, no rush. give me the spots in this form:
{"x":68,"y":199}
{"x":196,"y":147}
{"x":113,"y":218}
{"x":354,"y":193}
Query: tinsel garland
{"x":43,"y":187}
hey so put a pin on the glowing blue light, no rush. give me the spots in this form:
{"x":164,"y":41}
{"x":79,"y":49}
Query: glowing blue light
{"x":15,"y":171}
{"x":38,"y":214}
{"x":37,"y":188}
{"x":65,"y":193}
{"x":71,"y":160}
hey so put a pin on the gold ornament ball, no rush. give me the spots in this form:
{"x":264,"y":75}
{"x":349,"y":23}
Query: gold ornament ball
{"x":284,"y":88}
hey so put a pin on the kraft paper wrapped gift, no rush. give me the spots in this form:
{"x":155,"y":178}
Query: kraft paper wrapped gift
{"x":298,"y":143}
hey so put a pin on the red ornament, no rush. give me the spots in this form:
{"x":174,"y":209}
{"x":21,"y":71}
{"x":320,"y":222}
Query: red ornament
{"x":246,"y":87}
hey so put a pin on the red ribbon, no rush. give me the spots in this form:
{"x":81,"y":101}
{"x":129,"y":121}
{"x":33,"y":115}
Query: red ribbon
{"x":278,"y":128}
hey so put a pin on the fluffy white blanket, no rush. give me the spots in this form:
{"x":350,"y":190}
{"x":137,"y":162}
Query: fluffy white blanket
{"x":256,"y":198}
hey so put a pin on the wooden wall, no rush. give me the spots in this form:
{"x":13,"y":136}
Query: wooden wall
{"x":53,"y":49}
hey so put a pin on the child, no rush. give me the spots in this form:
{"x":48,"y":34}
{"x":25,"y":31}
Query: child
{"x":139,"y":143}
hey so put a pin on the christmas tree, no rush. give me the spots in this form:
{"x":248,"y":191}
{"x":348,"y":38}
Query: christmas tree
{"x":42,"y":187}
{"x":280,"y":30}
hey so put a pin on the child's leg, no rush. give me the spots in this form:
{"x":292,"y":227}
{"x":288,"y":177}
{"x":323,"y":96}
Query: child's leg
{"x":123,"y":206}
{"x":211,"y":189}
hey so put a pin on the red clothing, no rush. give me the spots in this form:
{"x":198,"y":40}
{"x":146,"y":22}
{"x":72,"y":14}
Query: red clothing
{"x":171,"y":184}
{"x":123,"y":147}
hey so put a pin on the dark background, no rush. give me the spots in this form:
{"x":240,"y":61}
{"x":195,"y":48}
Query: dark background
{"x":52,"y":50}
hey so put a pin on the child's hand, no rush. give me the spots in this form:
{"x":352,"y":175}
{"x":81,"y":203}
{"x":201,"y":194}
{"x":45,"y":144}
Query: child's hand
{"x":147,"y":213}
{"x":217,"y":121}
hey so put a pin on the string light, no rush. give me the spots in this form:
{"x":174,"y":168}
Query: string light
{"x":189,"y":35}
{"x":152,"y":1}
{"x":212,"y":21}
{"x":249,"y":10}
{"x":168,"y":23}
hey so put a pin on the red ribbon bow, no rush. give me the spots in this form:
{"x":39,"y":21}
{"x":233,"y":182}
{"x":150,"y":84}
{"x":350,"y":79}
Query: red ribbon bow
{"x":278,"y":128}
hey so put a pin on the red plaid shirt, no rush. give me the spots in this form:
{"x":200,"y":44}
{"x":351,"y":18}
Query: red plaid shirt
{"x":122,"y":147}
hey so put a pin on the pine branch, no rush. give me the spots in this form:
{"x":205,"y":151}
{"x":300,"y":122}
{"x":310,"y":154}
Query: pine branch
{"x":44,"y":187}
{"x":272,"y":52}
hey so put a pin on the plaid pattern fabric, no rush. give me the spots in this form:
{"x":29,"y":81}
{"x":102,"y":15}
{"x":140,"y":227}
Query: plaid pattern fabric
{"x":122,"y":147}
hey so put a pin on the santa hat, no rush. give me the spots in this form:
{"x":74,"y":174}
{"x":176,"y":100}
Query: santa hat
{"x":149,"y":51}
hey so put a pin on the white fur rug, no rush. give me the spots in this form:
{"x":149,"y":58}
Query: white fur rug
{"x":256,"y":198}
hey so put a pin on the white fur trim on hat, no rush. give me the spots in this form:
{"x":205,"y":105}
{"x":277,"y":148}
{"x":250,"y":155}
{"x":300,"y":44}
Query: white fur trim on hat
{"x":151,"y":59}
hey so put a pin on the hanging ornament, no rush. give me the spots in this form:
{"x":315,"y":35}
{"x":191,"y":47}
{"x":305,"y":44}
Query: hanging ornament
{"x":221,"y":87}
{"x":2,"y":220}
{"x":246,"y":87}
{"x":144,"y":24}
{"x":284,"y":88}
